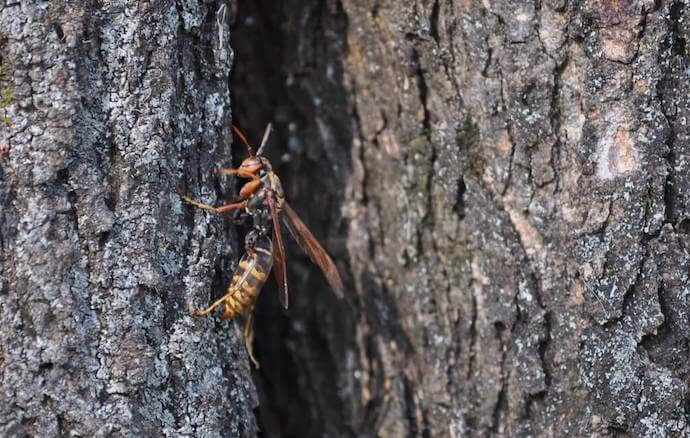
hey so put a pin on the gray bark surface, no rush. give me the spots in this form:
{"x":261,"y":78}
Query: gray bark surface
{"x":116,"y":105}
{"x":506,"y":186}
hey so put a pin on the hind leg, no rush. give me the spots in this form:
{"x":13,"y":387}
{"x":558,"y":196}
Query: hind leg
{"x":249,"y":336}
{"x":228,"y":312}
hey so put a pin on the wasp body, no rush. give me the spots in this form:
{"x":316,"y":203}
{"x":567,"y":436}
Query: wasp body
{"x":262,"y":198}
{"x":250,"y":275}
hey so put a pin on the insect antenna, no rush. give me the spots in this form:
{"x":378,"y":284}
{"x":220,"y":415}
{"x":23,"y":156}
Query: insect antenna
{"x":243,"y":138}
{"x":265,"y":139}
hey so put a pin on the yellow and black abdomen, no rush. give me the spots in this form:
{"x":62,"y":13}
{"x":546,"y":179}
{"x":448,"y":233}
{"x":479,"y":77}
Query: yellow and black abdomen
{"x":250,"y":276}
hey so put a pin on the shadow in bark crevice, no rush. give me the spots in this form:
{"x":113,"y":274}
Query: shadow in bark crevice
{"x":288,"y":71}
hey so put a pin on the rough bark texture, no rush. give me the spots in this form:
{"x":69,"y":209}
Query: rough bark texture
{"x":116,"y":105}
{"x":503,"y":184}
{"x":511,"y":179}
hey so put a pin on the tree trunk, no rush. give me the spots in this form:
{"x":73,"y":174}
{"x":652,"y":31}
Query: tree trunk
{"x":503,"y":185}
{"x":506,"y":186}
{"x":115,"y":107}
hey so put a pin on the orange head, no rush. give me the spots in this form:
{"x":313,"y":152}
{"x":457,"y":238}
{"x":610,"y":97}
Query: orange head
{"x":252,"y":164}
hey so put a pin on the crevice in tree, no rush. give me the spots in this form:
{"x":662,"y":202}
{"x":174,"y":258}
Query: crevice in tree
{"x":294,"y":80}
{"x":433,"y":20}
{"x":501,"y":406}
{"x":423,"y":94}
{"x":410,"y":407}
{"x":674,"y":48}
{"x":543,"y":347}
{"x":58,"y":31}
{"x":459,"y":206}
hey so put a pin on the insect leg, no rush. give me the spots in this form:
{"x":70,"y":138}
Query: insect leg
{"x":249,"y":336}
{"x":221,"y":209}
{"x":249,"y":188}
{"x":210,"y":308}
{"x":239,"y":172}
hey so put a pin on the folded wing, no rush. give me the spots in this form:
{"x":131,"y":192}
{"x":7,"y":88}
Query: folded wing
{"x":311,"y":246}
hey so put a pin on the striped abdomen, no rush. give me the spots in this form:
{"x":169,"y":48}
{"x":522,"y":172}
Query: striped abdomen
{"x":250,"y":276}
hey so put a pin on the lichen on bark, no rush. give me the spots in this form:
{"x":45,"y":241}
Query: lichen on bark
{"x":117,"y":107}
{"x":503,"y":186}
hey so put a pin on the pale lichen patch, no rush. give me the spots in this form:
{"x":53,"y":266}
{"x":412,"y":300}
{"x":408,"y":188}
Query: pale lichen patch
{"x":616,"y":48}
{"x":616,"y":149}
{"x":529,"y":236}
{"x":390,"y":143}
{"x":504,"y":146}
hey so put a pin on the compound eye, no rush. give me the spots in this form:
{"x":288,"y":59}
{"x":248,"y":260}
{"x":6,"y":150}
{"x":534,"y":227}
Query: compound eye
{"x":251,"y":164}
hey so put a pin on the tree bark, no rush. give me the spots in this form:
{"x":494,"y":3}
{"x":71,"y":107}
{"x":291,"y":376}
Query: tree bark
{"x":506,"y":185}
{"x":503,"y":185}
{"x":116,"y":106}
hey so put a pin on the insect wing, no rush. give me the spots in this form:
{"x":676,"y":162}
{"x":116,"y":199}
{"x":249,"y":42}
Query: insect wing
{"x":313,"y":248}
{"x":278,"y":254}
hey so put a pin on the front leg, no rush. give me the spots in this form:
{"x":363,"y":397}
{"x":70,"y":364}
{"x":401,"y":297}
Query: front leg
{"x":221,"y":209}
{"x":239,"y":172}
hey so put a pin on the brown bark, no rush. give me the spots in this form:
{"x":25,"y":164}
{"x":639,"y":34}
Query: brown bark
{"x":505,"y":184}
